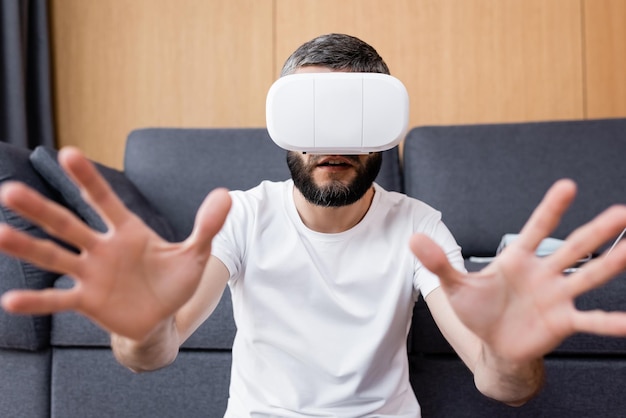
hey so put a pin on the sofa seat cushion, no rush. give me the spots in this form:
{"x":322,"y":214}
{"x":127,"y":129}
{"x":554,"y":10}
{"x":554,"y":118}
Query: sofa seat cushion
{"x":22,"y":332}
{"x":70,"y":329}
{"x":574,"y":387}
{"x":88,"y":382}
{"x":25,"y":383}
{"x":44,"y":160}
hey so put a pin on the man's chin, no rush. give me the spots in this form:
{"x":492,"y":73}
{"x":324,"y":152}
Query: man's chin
{"x":344,"y":179}
{"x":333,"y":186}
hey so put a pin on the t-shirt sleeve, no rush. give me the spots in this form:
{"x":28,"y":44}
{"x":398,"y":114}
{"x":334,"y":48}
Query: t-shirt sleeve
{"x":424,"y":281}
{"x":229,"y":244}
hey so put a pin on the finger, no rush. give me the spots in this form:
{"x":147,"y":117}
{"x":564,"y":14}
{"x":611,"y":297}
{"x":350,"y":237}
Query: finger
{"x":600,"y":322}
{"x":39,"y":302}
{"x":210,"y":219}
{"x":589,"y":237}
{"x":597,"y":271}
{"x":434,"y":259}
{"x":40,"y":252}
{"x":547,"y":215}
{"x":52,"y":217}
{"x":94,"y":188}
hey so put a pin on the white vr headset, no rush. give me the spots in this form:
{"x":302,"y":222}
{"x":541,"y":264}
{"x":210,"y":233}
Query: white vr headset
{"x":337,"y":112}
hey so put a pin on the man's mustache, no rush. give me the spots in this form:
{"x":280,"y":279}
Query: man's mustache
{"x":317,"y":158}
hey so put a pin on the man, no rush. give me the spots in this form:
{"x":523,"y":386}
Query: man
{"x":323,"y":270}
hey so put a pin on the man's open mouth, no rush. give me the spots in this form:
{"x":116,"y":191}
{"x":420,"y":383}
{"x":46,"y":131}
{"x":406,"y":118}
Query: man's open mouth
{"x":335,"y":161}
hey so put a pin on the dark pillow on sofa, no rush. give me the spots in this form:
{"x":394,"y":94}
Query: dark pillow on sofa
{"x":44,"y":160}
{"x":21,"y":331}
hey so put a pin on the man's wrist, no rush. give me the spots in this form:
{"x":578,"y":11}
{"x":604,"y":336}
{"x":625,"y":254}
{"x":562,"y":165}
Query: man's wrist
{"x":157,"y":350}
{"x":513,"y":382}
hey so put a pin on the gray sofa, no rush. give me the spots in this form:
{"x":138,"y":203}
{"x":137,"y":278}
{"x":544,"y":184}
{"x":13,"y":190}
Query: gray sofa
{"x":484,"y":178}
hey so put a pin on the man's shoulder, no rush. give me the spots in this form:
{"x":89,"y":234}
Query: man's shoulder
{"x":397,"y":199}
{"x":266,"y":197}
{"x":265,"y":188}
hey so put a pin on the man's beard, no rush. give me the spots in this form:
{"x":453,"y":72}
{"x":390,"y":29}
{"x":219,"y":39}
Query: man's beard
{"x":335,"y":193}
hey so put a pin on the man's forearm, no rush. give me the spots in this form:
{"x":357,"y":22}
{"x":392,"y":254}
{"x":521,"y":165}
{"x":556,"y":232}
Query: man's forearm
{"x":506,"y":381}
{"x":157,"y":350}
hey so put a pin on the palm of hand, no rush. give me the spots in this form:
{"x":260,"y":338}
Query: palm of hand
{"x":131,"y":279}
{"x":522,"y":306}
{"x":517,"y":305}
{"x":128,"y":279}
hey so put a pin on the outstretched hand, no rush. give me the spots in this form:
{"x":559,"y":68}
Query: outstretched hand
{"x":522,"y":306}
{"x":127,"y":279}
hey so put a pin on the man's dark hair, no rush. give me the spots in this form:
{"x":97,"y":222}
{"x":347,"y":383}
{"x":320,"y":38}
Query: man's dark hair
{"x":339,"y":52}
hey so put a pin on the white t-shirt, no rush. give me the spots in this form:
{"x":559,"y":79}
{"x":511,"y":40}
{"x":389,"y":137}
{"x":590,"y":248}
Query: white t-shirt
{"x":322,"y":319}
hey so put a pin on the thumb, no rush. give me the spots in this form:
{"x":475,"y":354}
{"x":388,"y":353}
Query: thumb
{"x":434,"y":259}
{"x":210,"y":219}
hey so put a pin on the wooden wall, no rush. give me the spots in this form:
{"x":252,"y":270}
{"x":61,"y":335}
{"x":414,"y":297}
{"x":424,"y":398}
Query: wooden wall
{"x":124,"y":64}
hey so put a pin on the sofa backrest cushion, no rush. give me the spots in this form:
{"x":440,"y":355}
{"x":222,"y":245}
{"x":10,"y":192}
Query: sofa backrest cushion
{"x":487,"y":179}
{"x":175,"y":168}
{"x":22,"y":332}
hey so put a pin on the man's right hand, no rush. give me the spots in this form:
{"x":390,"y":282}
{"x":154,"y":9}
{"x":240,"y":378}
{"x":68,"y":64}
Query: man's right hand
{"x":128,"y":280}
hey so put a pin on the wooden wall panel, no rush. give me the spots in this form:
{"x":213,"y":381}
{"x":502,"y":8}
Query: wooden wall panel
{"x":605,"y":58}
{"x":462,"y":62}
{"x":124,"y":64}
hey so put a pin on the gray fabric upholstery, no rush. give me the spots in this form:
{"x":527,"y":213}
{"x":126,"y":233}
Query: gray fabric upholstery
{"x":425,"y":337}
{"x":70,"y":329}
{"x":487,"y":168}
{"x":176,"y":168}
{"x":574,"y":388}
{"x":486,"y":179}
{"x":90,"y":383}
{"x":22,"y":332}
{"x":44,"y":159}
{"x":25,"y":383}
